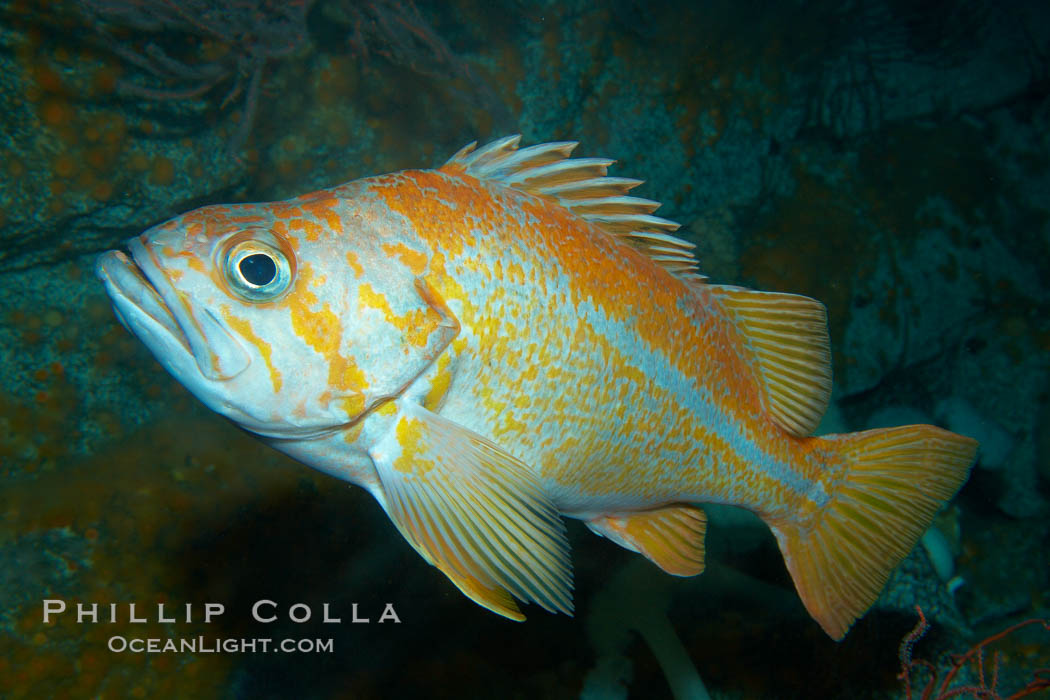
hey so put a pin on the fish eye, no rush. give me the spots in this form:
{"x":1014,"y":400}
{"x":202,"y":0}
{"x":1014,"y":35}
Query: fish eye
{"x":256,"y":270}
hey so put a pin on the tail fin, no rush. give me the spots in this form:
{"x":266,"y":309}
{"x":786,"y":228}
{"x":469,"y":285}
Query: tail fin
{"x":894,"y":482}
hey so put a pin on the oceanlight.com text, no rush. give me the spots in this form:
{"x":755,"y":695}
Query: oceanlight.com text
{"x":212,"y":645}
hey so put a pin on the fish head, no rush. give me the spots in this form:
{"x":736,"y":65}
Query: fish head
{"x":289,"y":318}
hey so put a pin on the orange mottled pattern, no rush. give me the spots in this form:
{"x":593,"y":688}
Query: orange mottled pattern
{"x":621,"y":384}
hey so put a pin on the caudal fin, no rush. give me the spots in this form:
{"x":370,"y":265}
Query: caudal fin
{"x":894,"y":482}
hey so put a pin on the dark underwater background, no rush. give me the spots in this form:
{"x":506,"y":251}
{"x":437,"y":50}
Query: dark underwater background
{"x":889,"y":158}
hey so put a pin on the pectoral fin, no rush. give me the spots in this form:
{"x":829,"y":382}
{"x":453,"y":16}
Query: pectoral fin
{"x":475,"y":512}
{"x":671,"y":537}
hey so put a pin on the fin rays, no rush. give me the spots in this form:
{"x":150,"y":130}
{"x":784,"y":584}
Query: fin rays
{"x":476,"y":513}
{"x":672,"y":537}
{"x":582,"y":186}
{"x":789,"y":338}
{"x":895,"y":480}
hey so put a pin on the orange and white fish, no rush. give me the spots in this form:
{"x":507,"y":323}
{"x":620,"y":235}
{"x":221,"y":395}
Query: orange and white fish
{"x":511,"y":338}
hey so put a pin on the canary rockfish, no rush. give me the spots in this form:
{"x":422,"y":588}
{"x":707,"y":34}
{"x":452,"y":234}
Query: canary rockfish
{"x":511,"y":338}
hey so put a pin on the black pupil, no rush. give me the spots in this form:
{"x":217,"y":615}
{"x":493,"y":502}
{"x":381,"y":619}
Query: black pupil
{"x":258,"y":269}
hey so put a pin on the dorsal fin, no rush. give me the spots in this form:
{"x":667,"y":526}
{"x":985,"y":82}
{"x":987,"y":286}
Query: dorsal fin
{"x":582,"y":186}
{"x":788,"y":335}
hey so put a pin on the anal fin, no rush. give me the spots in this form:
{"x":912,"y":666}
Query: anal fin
{"x":475,"y":512}
{"x":671,"y":537}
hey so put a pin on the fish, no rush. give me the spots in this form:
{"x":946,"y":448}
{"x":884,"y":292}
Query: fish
{"x":512,"y":339}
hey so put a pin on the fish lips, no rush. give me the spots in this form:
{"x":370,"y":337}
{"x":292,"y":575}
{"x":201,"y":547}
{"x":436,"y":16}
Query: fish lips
{"x":177,"y":333}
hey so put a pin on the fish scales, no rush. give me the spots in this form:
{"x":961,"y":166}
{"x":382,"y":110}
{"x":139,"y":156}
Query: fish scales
{"x":512,"y":338}
{"x":608,"y":317}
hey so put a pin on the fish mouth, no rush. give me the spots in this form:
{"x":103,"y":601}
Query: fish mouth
{"x":178,"y":333}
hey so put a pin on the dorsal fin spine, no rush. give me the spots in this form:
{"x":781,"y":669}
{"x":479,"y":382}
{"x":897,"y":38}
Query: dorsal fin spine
{"x":582,"y":186}
{"x":488,"y":151}
{"x":595,"y":186}
{"x":615,"y":205}
{"x":561,"y":171}
{"x":533,"y":156}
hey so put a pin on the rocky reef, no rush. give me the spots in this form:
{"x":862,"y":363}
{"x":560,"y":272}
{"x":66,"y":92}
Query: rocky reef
{"x":889,"y":161}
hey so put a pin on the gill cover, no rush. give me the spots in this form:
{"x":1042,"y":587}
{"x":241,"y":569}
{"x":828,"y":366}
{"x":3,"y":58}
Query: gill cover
{"x":373,"y":333}
{"x":425,"y":340}
{"x":397,"y":335}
